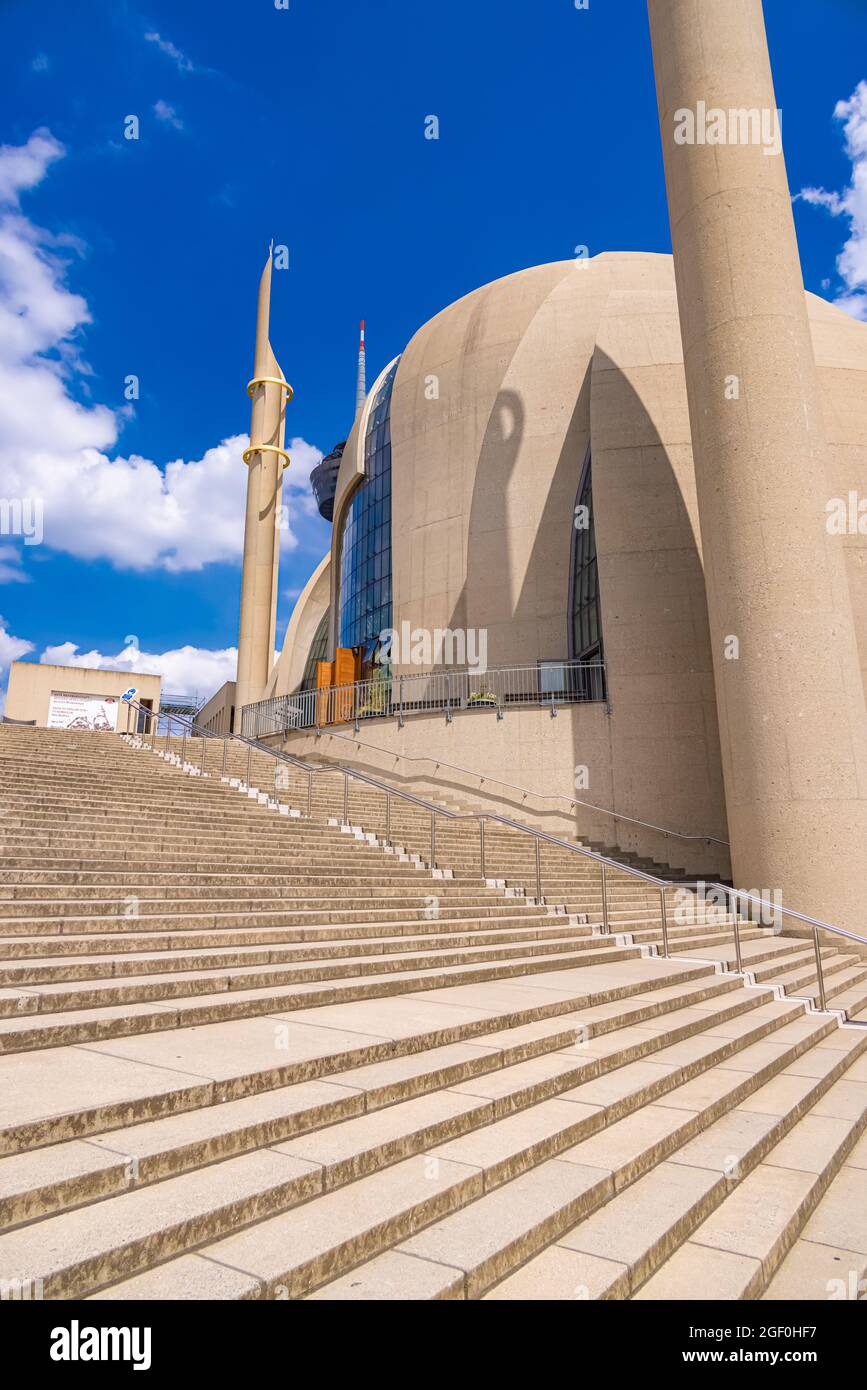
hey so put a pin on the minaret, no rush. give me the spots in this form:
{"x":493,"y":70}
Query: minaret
{"x":361,"y":388}
{"x":266,"y":458}
{"x":788,"y":687}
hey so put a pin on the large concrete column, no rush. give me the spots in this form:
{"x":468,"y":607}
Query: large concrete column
{"x":791,"y":703}
{"x":261,"y":528}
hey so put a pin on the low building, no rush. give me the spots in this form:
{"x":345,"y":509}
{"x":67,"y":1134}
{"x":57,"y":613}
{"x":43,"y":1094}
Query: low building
{"x":218,"y":714}
{"x":78,"y":697}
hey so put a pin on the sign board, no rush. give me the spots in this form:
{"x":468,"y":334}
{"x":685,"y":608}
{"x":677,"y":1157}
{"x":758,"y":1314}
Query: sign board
{"x":67,"y":710}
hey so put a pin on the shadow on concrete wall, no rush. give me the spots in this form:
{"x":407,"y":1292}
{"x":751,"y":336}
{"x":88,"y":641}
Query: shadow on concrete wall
{"x":619,"y":506}
{"x":640,"y":515}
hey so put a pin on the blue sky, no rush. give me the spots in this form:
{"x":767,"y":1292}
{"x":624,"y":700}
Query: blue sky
{"x":122,"y":257}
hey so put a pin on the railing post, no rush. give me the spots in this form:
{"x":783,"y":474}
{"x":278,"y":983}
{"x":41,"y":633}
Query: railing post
{"x":388,"y":817}
{"x":249,"y":762}
{"x":664,"y":923}
{"x":448,"y":697}
{"x":183,"y":745}
{"x":539,"y":898}
{"x":605,"y":926}
{"x":400,"y":719}
{"x":346,"y":798}
{"x":309,"y":795}
{"x":225,"y":753}
{"x":204,"y":748}
{"x":433,"y":839}
{"x":820,"y":971}
{"x":737,"y":927}
{"x":482,"y":847}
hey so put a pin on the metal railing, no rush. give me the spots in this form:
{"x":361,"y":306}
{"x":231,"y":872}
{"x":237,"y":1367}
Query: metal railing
{"x":734,"y":897}
{"x":570,"y":801}
{"x":548,"y":684}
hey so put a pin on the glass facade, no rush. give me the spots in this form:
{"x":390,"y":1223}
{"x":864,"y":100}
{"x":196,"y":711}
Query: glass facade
{"x":318,"y":652}
{"x":586,"y":633}
{"x":365,"y":544}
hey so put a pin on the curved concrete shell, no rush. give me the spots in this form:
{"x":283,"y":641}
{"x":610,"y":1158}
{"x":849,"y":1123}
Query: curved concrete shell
{"x":311,"y":606}
{"x":497,"y":404}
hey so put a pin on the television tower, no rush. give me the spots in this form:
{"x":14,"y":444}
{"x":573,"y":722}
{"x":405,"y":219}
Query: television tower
{"x":361,"y":390}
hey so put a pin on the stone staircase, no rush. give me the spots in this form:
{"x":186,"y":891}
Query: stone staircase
{"x":475,"y":802}
{"x":247,"y":1052}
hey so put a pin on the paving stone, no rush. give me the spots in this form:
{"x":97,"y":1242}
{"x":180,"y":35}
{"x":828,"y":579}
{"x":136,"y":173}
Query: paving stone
{"x":697,"y":1273}
{"x":813,"y":1271}
{"x":487,"y":1237}
{"x":394,"y":1277}
{"x":562,"y":1275}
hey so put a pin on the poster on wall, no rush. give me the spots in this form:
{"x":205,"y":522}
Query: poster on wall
{"x":67,"y":710}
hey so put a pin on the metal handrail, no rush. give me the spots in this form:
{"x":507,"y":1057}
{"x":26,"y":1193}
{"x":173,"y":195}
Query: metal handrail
{"x":442,"y":689}
{"x":526,"y":791}
{"x":605,"y":862}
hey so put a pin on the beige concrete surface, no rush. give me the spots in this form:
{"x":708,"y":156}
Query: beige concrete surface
{"x":310,"y":607}
{"x":485,"y":542}
{"x":217,"y":714}
{"x":31,"y":685}
{"x":262,"y":524}
{"x":794,"y":748}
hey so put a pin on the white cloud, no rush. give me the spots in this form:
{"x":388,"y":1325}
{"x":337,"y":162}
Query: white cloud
{"x":11,"y":649}
{"x":167,"y":114}
{"x":172,"y":51}
{"x":10,"y":566}
{"x":851,"y":204}
{"x":98,"y":504}
{"x":23,"y":166}
{"x":185,"y":670}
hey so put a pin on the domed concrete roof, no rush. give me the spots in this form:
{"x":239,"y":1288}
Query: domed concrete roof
{"x":495,"y":402}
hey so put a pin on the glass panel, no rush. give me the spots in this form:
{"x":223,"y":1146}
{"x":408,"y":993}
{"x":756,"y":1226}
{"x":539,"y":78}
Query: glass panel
{"x":365,"y":546}
{"x":552,"y":677}
{"x":586,"y":624}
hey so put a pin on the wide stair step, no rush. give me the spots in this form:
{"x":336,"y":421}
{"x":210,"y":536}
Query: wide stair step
{"x":248,"y":1055}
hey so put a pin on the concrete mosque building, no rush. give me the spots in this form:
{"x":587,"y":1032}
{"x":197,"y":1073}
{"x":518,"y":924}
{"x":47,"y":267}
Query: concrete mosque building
{"x":355,"y":1009}
{"x":609,"y":490}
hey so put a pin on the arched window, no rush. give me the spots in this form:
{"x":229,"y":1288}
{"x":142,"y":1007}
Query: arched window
{"x":585,"y":636}
{"x":364,"y":608}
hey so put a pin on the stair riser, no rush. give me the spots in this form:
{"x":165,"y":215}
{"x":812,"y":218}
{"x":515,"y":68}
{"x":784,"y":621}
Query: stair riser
{"x":164,"y":990}
{"x":79,"y":1280}
{"x":653,"y":1258}
{"x":299,"y":1279}
{"x":107,"y":970}
{"x":81,"y":1123}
